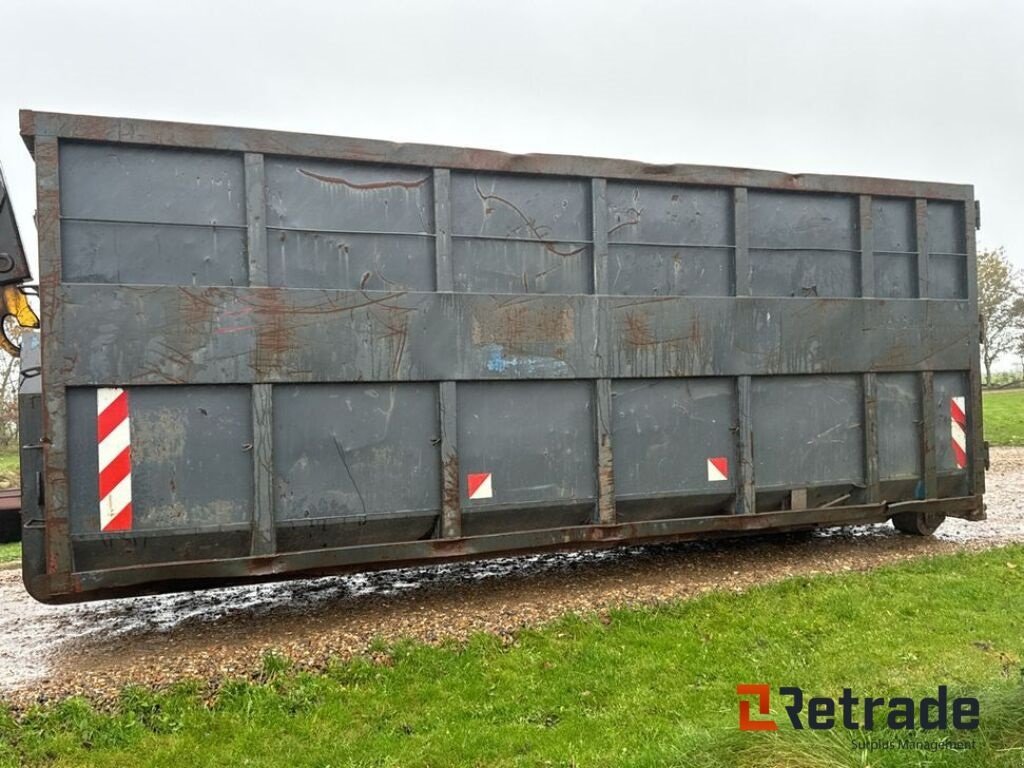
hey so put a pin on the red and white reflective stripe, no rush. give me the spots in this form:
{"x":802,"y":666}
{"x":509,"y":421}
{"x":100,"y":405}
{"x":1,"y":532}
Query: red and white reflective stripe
{"x":113,"y":438}
{"x":718,"y":469}
{"x":958,"y":428}
{"x":478,"y":485}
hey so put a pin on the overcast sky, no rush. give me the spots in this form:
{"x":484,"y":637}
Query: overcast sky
{"x":923,"y":90}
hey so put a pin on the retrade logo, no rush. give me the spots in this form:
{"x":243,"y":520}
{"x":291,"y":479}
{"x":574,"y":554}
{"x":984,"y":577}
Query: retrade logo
{"x":823,"y":713}
{"x":763,"y":707}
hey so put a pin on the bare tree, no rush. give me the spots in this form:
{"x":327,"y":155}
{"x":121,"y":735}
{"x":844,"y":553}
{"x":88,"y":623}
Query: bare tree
{"x":1001,"y":305}
{"x":10,"y":370}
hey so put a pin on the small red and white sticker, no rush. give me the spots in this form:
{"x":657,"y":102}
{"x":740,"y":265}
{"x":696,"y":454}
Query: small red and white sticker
{"x":479,"y":485}
{"x":113,"y":439}
{"x":718,"y":469}
{"x":958,"y":430}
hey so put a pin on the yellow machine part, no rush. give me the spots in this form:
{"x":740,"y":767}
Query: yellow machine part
{"x":16,"y":305}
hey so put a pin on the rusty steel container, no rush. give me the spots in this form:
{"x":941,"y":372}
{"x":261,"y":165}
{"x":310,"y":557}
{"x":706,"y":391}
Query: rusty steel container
{"x":271,"y":354}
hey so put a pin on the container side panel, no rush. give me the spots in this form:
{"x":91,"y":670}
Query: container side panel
{"x":804,"y":245}
{"x":895,"y":275}
{"x":534,"y":439}
{"x":669,"y":240}
{"x":893,"y":225}
{"x":947,"y":251}
{"x":520,"y":234}
{"x":152,"y":216}
{"x":337,"y":225}
{"x":153,"y":254}
{"x":666,"y":433}
{"x":657,"y":270}
{"x":669,"y":214}
{"x":354,"y":261}
{"x":895,"y":248}
{"x":355,"y":450}
{"x":807,"y":431}
{"x":899,"y":426}
{"x":190,"y":454}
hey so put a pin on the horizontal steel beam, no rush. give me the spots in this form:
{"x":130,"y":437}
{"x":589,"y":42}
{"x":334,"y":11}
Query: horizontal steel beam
{"x":185,"y":575}
{"x":182,"y":335}
{"x":160,"y":133}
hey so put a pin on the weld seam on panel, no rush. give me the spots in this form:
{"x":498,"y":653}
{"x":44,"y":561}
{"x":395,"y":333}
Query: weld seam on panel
{"x":443,"y":267}
{"x":535,"y":240}
{"x":741,"y":238}
{"x":928,"y":436}
{"x":659,"y":244}
{"x":451,"y":494}
{"x":255,"y":211}
{"x":801,"y":249}
{"x":137,"y":223}
{"x":55,"y":510}
{"x":921,"y":233}
{"x":871,"y":469}
{"x":323,"y":231}
{"x":264,"y":535}
{"x":867,"y":246}
{"x":746,"y":499}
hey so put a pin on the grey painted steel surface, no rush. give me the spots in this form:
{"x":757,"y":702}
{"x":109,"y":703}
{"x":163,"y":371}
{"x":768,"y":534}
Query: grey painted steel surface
{"x":13,"y":264}
{"x":329,"y":344}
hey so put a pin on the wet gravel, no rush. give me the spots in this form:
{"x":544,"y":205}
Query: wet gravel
{"x":94,"y":649}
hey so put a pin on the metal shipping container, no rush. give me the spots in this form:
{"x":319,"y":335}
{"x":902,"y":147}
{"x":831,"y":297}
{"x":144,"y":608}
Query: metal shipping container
{"x":270,"y":354}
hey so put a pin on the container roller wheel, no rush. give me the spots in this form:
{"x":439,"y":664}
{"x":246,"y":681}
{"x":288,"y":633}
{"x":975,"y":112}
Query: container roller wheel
{"x":918,"y":523}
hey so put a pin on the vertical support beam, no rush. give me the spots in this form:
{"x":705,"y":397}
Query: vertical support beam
{"x":871,"y":481}
{"x":599,"y":210}
{"x":746,"y":500}
{"x":605,"y":469}
{"x":603,"y":387}
{"x":741,"y":233}
{"x":451,"y":498}
{"x":264,"y":537}
{"x":928,"y":454}
{"x":921,"y":230}
{"x":975,"y":436}
{"x":443,"y":230}
{"x":867,"y":248}
{"x":255,"y":210}
{"x":55,"y":493}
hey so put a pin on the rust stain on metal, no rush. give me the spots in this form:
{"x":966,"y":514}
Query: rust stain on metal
{"x":391,"y":184}
{"x":539,"y":232}
{"x":275,"y":331}
{"x":395,"y":322}
{"x":637,"y":330}
{"x":450,"y":480}
{"x":516,"y":326}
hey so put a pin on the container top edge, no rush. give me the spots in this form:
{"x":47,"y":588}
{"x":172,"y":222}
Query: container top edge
{"x":285,"y":143}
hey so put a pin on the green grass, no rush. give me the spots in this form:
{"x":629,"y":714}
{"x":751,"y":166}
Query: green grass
{"x":10,"y":553}
{"x":10,"y":462}
{"x":1004,"y":416}
{"x":647,"y":687}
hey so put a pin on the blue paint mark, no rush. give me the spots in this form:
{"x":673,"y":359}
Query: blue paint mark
{"x":498,"y":362}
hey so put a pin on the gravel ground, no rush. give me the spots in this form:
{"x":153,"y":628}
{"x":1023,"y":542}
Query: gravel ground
{"x":94,"y":649}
